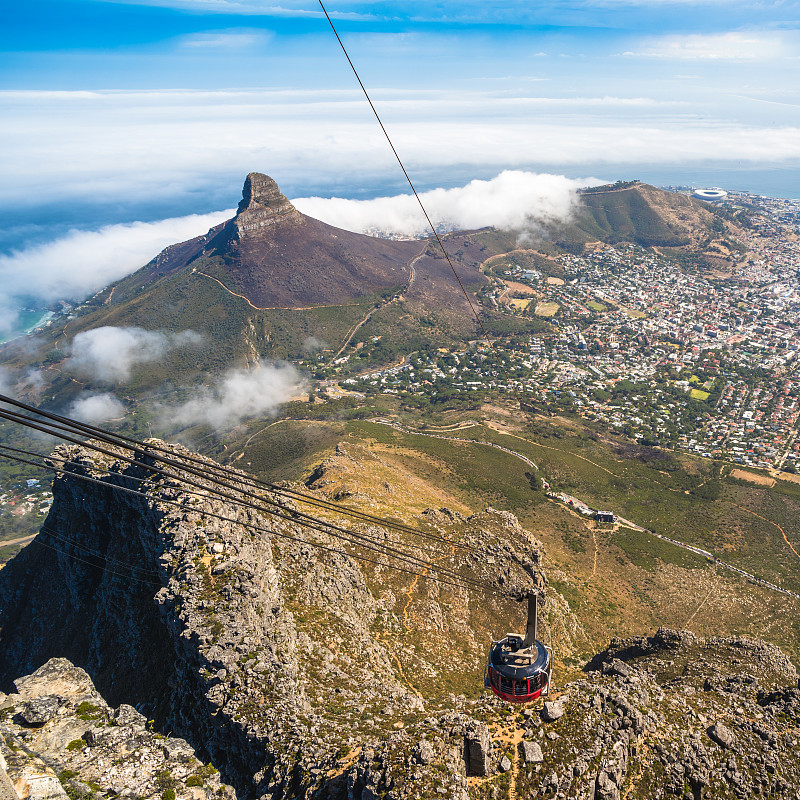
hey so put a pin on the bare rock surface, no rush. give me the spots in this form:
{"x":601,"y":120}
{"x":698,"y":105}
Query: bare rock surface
{"x":80,"y":746}
{"x":282,"y":663}
{"x":262,"y":206}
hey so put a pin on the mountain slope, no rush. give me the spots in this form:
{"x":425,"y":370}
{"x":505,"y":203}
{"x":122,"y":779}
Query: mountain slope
{"x":303,"y":673}
{"x":271,"y":279}
{"x":277,"y":257}
{"x":643,"y":214}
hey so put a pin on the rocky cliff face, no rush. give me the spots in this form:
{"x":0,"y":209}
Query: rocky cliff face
{"x":262,"y":206}
{"x":306,"y":672}
{"x":279,"y":661}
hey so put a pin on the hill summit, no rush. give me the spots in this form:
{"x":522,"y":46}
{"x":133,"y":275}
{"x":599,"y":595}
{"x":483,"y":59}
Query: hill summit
{"x":266,"y":281}
{"x":262,"y":206}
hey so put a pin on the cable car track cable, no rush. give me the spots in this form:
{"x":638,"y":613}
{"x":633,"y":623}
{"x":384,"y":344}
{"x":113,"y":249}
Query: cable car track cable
{"x":358,"y":539}
{"x":416,"y":195}
{"x":353,"y":537}
{"x":294,"y":515}
{"x":458,"y":582}
{"x":135,"y":445}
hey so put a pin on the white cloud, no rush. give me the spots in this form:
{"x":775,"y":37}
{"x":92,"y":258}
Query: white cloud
{"x":728,"y":46}
{"x":239,"y":394}
{"x":235,"y":39}
{"x":135,"y":144}
{"x":513,"y":199}
{"x":26,"y":384}
{"x":9,"y":315}
{"x":83,"y":261}
{"x":311,"y":344}
{"x":110,"y":354}
{"x":97,"y":408}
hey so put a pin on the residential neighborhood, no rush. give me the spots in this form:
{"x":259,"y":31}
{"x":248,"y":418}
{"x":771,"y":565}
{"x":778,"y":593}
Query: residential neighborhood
{"x":700,"y":360}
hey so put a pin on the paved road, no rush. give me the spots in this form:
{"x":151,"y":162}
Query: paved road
{"x":412,"y":276}
{"x":454,"y":439}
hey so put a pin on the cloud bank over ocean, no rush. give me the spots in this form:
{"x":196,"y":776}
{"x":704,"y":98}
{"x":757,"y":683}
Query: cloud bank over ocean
{"x":514,"y":199}
{"x":75,"y":265}
{"x":324,"y":140}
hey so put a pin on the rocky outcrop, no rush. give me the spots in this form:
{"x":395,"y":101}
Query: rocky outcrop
{"x":59,"y":739}
{"x":650,"y":731}
{"x":652,"y":724}
{"x":262,"y":206}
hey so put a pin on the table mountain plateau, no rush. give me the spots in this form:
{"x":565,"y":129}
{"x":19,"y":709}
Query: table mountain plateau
{"x":301,"y":672}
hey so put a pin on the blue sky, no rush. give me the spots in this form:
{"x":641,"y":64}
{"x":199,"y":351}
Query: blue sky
{"x":122,"y":111}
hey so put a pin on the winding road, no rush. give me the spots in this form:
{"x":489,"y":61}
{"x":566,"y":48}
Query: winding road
{"x":624,"y":522}
{"x":411,"y":277}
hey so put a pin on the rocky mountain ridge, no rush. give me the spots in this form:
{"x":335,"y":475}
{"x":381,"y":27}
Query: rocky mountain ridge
{"x":300,"y":672}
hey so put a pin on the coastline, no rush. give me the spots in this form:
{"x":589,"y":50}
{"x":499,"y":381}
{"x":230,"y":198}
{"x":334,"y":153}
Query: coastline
{"x":41,"y":318}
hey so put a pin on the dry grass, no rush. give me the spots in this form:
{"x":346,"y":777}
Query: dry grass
{"x":546,"y":309}
{"x":753,"y":477}
{"x":522,"y":288}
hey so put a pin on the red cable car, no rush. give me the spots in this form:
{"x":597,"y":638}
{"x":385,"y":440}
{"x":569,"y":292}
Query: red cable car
{"x":519,"y":668}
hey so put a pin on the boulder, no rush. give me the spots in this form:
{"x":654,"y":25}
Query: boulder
{"x":40,"y":710}
{"x":58,"y":677}
{"x":552,"y":710}
{"x":722,"y":735}
{"x":425,"y":752}
{"x":617,"y":667}
{"x":478,"y":750}
{"x":532,"y":752}
{"x":605,"y":788}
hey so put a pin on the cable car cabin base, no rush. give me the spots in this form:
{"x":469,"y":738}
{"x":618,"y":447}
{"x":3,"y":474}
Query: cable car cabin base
{"x":519,"y":668}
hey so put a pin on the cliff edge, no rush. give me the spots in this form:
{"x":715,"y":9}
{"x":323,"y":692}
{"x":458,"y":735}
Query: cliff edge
{"x":299,"y":671}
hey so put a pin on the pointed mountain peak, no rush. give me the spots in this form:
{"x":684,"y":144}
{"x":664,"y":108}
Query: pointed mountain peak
{"x":262,"y":206}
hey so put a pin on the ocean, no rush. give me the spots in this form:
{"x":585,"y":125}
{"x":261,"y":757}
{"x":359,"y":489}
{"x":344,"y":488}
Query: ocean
{"x":27,"y":320}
